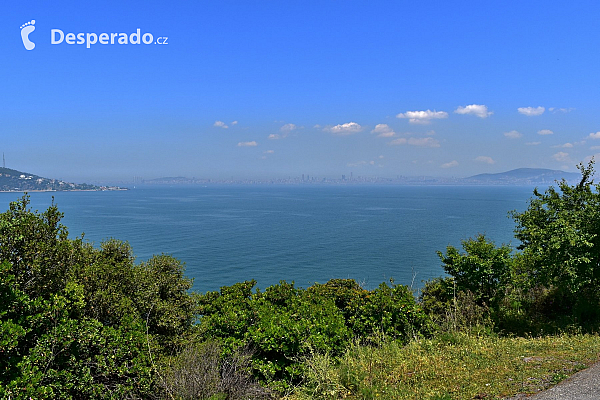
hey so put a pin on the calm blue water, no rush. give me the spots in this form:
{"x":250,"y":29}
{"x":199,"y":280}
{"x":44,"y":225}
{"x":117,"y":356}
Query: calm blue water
{"x":306,"y":234}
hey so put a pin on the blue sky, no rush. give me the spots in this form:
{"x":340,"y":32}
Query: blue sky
{"x":281,"y":88}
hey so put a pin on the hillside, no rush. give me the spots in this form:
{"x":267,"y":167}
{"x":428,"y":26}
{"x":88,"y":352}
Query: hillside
{"x":524,"y":176}
{"x":16,"y":181}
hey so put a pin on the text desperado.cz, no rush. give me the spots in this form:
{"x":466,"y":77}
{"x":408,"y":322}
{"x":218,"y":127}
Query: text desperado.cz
{"x":57,"y":37}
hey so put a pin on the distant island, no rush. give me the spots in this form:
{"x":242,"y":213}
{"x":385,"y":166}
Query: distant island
{"x":525,"y":176}
{"x":16,"y":181}
{"x":520,"y":176}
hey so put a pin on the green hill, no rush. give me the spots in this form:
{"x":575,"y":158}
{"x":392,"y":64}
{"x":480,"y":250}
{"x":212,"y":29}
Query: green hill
{"x":525,"y":176}
{"x":16,"y":181}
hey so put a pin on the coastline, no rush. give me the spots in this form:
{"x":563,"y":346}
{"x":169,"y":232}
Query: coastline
{"x":74,"y":190}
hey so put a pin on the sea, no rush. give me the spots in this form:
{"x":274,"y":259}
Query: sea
{"x":303,"y":233}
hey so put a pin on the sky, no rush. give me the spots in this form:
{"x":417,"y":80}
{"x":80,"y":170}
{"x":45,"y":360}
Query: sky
{"x":272,"y":89}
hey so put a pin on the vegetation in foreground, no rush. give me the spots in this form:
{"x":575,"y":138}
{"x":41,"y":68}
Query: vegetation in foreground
{"x":83,"y":322}
{"x":450,"y":366}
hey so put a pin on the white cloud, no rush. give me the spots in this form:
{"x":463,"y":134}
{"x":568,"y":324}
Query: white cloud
{"x":247,"y":144}
{"x":234,"y":123}
{"x":545,"y":132}
{"x":569,"y":145}
{"x":424,"y":142}
{"x":594,"y":135}
{"x":561,"y":156}
{"x":269,"y":152}
{"x":383,"y":130}
{"x":531,"y":111}
{"x":360,"y":163}
{"x":561,"y":110}
{"x":220,"y":124}
{"x":356,"y":164}
{"x":399,"y":141}
{"x":513,"y":134}
{"x":285,"y":129}
{"x":288,"y":128}
{"x":532,"y":143}
{"x":485,"y":159}
{"x":595,"y":148}
{"x":344,"y":129}
{"x":450,"y":164}
{"x":422,"y":117}
{"x":420,"y":142}
{"x":474,"y":109}
{"x":380,"y":157}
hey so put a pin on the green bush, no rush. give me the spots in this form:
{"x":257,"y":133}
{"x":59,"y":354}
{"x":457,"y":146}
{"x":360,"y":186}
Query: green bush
{"x":285,"y":324}
{"x":49,"y":351}
{"x":483,"y":269}
{"x":560,"y":235}
{"x":82,"y":322}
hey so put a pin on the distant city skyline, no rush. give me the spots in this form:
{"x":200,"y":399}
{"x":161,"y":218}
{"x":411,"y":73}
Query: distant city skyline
{"x":277,"y":89}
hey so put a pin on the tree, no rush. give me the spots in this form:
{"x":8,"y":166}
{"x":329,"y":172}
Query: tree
{"x":560,"y":236}
{"x":83,"y":322}
{"x":483,"y":270}
{"x":38,"y":248}
{"x":49,"y":350}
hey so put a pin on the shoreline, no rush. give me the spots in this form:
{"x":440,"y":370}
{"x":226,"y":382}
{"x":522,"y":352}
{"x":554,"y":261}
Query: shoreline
{"x":74,"y":190}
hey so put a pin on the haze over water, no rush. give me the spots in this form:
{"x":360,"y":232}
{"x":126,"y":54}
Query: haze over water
{"x":306,"y":234}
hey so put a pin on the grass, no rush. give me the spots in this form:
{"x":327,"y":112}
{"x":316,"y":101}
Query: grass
{"x":452,"y":366}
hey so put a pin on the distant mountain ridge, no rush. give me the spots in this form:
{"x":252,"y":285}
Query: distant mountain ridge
{"x":525,"y":176}
{"x":12,"y":180}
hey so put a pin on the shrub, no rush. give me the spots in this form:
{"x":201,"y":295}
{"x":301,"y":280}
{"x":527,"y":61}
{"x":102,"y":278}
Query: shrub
{"x":284,"y":324}
{"x":483,"y":269}
{"x":200,"y":372}
{"x":560,"y":235}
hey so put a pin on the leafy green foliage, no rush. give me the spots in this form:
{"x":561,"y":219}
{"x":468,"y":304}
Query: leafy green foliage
{"x":392,"y":311}
{"x":162,"y":297}
{"x":154,"y":291}
{"x":82,"y":322}
{"x":438,"y":295}
{"x":49,"y":351}
{"x":483,"y":269}
{"x":560,"y":235}
{"x":37,"y":247}
{"x":552,"y":282}
{"x":284,"y":324}
{"x":279,"y":325}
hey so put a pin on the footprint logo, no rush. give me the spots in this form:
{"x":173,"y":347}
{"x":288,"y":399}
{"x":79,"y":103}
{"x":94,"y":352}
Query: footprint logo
{"x":26,"y":29}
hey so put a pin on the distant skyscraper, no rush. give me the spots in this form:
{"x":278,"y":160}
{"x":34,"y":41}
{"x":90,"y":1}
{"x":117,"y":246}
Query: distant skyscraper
{"x":3,"y":161}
